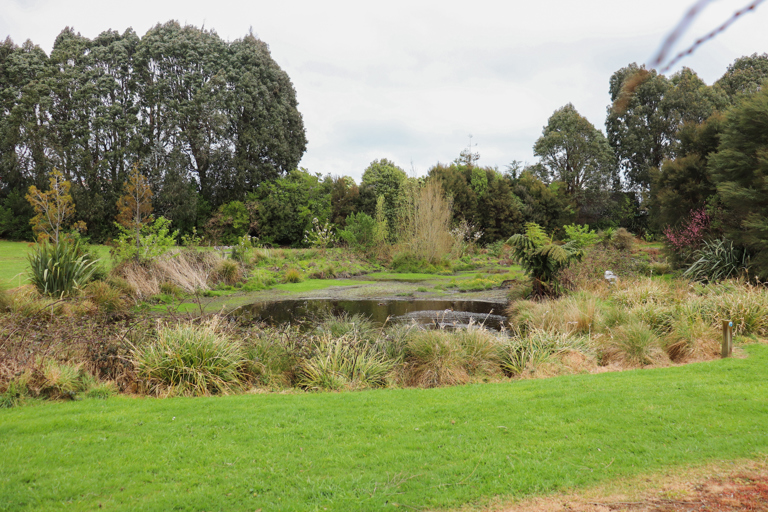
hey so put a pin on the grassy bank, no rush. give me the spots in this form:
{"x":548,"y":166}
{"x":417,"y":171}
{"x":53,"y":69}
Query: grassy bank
{"x":436,"y":449}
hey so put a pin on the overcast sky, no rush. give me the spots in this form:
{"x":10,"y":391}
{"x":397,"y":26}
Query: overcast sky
{"x":411,"y":80}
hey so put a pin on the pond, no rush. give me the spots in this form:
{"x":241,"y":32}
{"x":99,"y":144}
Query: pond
{"x":452,"y":314}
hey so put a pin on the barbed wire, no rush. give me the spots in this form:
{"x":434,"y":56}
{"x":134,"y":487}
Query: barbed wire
{"x":683,"y":25}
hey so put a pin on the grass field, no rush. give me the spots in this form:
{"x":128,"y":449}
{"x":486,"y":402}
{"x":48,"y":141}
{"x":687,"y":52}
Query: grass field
{"x":381,"y":450}
{"x":13,"y":261}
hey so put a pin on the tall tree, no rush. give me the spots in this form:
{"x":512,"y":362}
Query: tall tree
{"x":683,"y":183}
{"x":640,"y":127}
{"x":382,"y":178}
{"x":573,"y":151}
{"x":740,"y":171}
{"x":745,"y":76}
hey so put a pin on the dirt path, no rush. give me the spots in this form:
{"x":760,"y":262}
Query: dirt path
{"x":721,"y":487}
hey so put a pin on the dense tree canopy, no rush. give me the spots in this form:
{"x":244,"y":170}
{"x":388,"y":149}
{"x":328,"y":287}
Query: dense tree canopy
{"x":740,"y":171}
{"x":574,"y":152}
{"x":195,"y":113}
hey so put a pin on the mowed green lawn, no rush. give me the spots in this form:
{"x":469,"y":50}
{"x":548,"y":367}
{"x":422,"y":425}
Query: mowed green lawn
{"x":14,"y":264}
{"x":380,"y":450}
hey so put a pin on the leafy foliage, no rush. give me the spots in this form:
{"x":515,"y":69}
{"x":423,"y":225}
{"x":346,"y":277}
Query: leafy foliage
{"x":155,"y":239}
{"x":542,"y":259}
{"x":54,"y":209}
{"x":717,"y":260}
{"x":580,"y":236}
{"x":739,"y":168}
{"x":573,"y":151}
{"x":60,"y":270}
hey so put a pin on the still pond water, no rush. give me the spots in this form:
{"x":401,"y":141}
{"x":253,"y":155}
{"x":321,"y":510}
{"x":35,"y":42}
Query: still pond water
{"x":451,"y":314}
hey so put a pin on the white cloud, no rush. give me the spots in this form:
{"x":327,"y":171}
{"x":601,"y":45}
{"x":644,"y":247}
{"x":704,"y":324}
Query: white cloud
{"x":410,"y":80}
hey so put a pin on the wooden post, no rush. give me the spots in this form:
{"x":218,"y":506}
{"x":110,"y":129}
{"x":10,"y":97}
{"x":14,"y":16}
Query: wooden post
{"x":727,"y":348}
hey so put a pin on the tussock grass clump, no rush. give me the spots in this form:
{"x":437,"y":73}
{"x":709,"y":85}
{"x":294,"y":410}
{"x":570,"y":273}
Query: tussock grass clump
{"x":746,"y":305}
{"x":436,"y":358}
{"x":524,"y":354}
{"x":344,"y":362}
{"x":634,"y":344}
{"x":579,"y":313}
{"x":691,"y":337}
{"x":106,"y":298}
{"x":54,"y":379}
{"x":229,"y":271}
{"x":357,"y":326}
{"x":273,"y":356}
{"x":292,"y":275}
{"x":190,"y":360}
{"x":16,"y":391}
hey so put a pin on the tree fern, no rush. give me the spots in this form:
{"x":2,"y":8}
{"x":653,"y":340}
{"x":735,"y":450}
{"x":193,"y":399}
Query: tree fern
{"x":542,"y":259}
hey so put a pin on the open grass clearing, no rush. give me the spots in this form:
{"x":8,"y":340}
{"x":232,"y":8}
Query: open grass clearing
{"x":426,"y":449}
{"x":14,"y":264}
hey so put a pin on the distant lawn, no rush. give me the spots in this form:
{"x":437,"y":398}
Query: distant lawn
{"x":381,"y":450}
{"x":317,"y":284}
{"x":13,"y":261}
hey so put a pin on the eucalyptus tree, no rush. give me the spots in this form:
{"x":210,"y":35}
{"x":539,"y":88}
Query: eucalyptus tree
{"x":745,"y":76}
{"x":640,"y":126}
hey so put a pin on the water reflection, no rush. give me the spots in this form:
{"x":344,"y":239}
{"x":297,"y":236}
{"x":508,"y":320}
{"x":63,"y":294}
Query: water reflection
{"x":445,"y":313}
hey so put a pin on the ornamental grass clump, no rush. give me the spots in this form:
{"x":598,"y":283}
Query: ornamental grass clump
{"x":345,"y":362}
{"x":634,"y":344}
{"x":60,"y":270}
{"x":436,"y":358}
{"x":190,"y":360}
{"x":523,"y":354}
{"x":717,"y":260}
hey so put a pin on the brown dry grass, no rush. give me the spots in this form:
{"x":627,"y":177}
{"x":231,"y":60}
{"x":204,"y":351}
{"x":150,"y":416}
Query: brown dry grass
{"x":189,"y":270}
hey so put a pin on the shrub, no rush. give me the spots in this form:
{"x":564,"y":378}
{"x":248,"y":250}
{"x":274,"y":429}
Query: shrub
{"x":190,"y":360}
{"x":229,"y":271}
{"x":107,"y":298}
{"x":580,"y":236}
{"x":155,"y":239}
{"x":292,"y":275}
{"x":320,"y":235}
{"x":623,"y":240}
{"x":717,"y":260}
{"x":60,"y":270}
{"x":242,"y":249}
{"x":660,"y":268}
{"x":360,"y":232}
